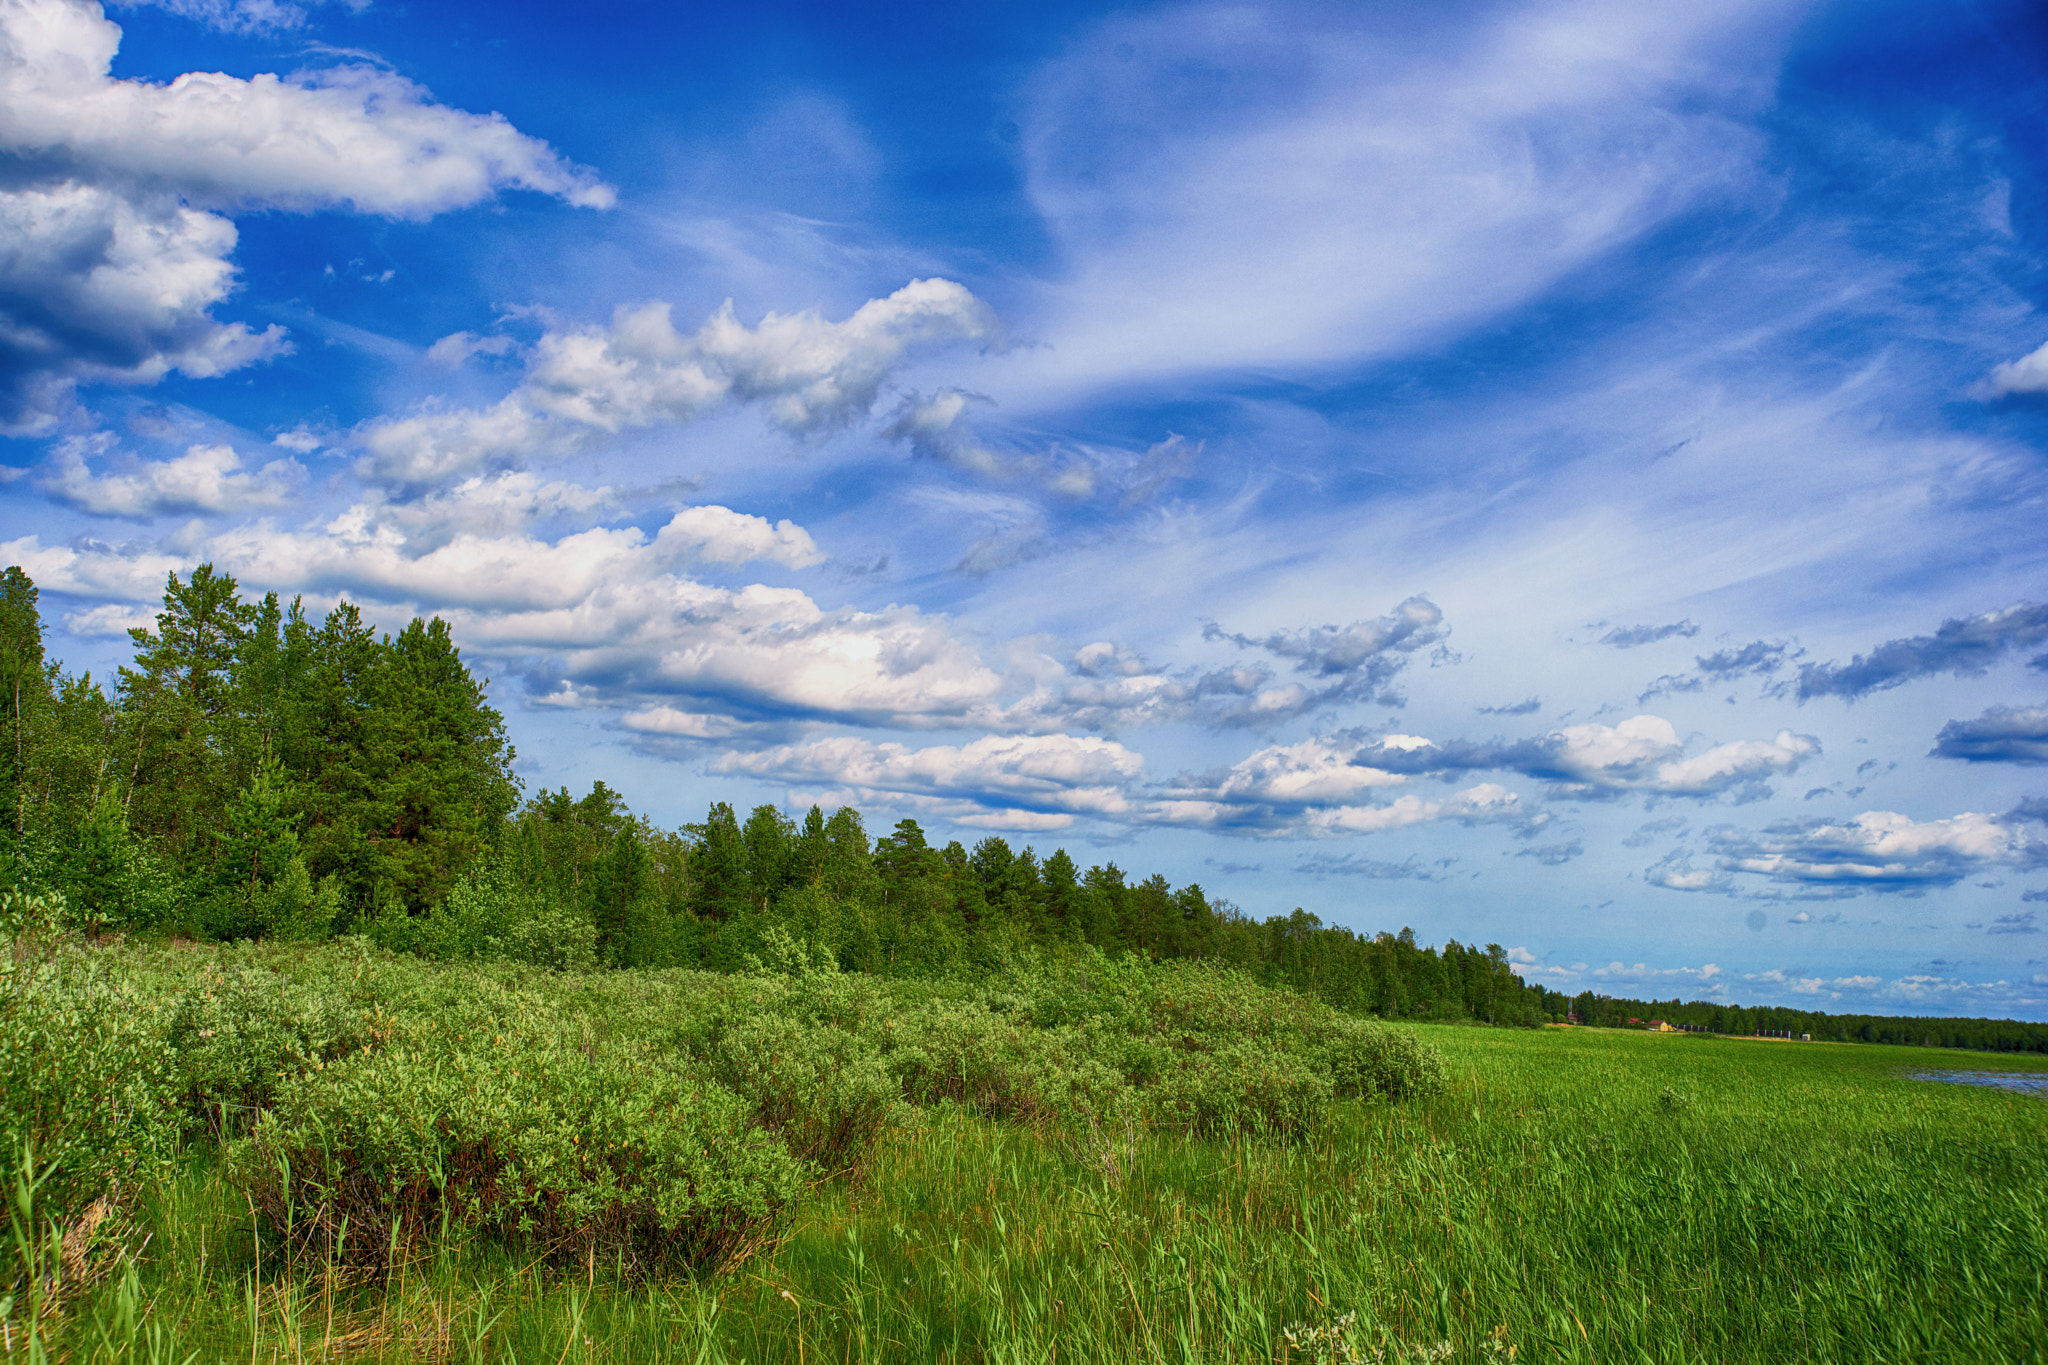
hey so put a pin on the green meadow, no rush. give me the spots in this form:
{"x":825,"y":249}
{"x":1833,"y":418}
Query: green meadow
{"x":1484,"y":1195}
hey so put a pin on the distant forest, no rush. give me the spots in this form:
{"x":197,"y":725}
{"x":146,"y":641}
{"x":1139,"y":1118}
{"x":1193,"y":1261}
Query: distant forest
{"x":256,"y":773}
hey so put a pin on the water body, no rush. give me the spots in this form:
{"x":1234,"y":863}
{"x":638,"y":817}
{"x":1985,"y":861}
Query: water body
{"x":2026,"y":1082}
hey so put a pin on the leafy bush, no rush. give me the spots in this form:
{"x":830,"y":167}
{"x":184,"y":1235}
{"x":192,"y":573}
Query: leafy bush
{"x":241,"y":1029}
{"x":488,"y":914}
{"x":826,"y":1092}
{"x":83,"y":1068}
{"x":1247,"y":1087}
{"x":532,"y":1133}
{"x":659,"y":1116}
{"x":1366,"y":1059}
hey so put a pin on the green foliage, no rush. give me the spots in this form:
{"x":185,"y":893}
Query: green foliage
{"x":237,"y":1029}
{"x":653,"y":1118}
{"x":529,"y":1132}
{"x":1816,"y":1204}
{"x":84,"y":1079}
{"x":489,"y":915}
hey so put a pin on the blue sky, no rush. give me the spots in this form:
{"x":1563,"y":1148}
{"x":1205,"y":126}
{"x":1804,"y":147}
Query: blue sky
{"x":1561,"y":474}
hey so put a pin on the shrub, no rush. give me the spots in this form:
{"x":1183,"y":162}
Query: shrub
{"x":241,"y":1029}
{"x":84,"y":1074}
{"x":1247,"y":1087}
{"x":531,"y":1133}
{"x":825,"y":1091}
{"x":489,"y":915}
{"x":1366,"y":1059}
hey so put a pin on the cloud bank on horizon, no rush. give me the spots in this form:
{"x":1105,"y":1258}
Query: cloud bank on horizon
{"x":1559,"y":472}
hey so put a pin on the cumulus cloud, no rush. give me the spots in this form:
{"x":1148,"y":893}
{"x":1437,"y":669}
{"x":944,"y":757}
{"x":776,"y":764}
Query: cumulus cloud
{"x":1315,"y":788}
{"x":354,"y":136}
{"x":114,"y":242}
{"x":109,"y":620}
{"x":1675,"y":872}
{"x":807,"y":374}
{"x":605,"y":611}
{"x":2027,"y":375}
{"x":1965,"y":647}
{"x":1628,"y":637}
{"x":719,"y":535}
{"x":1298,"y":791}
{"x":1925,"y":992}
{"x":1108,"y":687}
{"x":100,"y":285}
{"x":1884,"y":850}
{"x":1649,"y":833}
{"x":1047,"y":775}
{"x":205,"y":480}
{"x":611,"y":617}
{"x":1641,"y":754}
{"x":2003,"y":734}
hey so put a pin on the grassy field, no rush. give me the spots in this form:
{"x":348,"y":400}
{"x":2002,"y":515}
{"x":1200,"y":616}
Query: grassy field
{"x":1574,"y":1196}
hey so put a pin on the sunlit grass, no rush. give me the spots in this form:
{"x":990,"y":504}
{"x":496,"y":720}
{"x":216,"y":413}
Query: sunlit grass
{"x":1799,"y":1202}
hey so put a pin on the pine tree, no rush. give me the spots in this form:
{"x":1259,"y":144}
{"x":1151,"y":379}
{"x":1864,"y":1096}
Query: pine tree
{"x":441,"y":762}
{"x":24,"y":687}
{"x":177,"y":704}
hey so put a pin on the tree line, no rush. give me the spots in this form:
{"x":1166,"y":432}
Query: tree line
{"x":257,"y":773}
{"x":1982,"y":1035}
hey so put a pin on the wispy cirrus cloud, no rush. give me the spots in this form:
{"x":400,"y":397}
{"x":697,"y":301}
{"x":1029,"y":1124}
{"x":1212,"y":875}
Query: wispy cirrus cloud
{"x":1629,"y":637}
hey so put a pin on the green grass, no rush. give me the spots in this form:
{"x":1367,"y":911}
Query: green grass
{"x":1581,"y":1196}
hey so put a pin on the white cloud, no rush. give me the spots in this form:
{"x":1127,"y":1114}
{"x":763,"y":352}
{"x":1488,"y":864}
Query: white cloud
{"x":1050,"y":775}
{"x":127,"y":574}
{"x":352,"y":136}
{"x":936,"y":429}
{"x":488,"y":506}
{"x":808,"y":374}
{"x":111,"y":286}
{"x":1642,"y":754}
{"x":113,"y":243}
{"x":204,"y":480}
{"x":454,"y":350}
{"x":2027,"y":375}
{"x":1883,"y":850}
{"x":669,"y":721}
{"x":1313,"y":772}
{"x":719,"y":535}
{"x":110,"y":620}
{"x":602,"y":609}
{"x":1487,"y":802}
